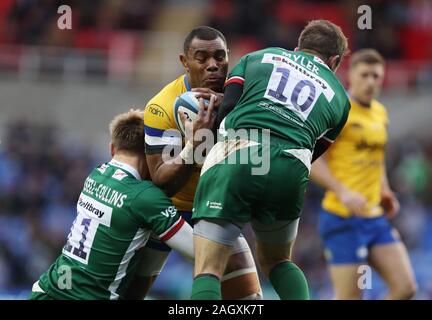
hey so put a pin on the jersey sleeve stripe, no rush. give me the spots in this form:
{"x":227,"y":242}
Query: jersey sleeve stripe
{"x":324,"y":136}
{"x":328,"y":139}
{"x":172,"y":230}
{"x":154,"y":132}
{"x":162,"y":141}
{"x":235,"y":79}
{"x":153,"y":149}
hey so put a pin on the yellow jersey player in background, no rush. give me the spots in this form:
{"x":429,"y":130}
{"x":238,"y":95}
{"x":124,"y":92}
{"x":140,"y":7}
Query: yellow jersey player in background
{"x":205,"y":60}
{"x":358,"y":201}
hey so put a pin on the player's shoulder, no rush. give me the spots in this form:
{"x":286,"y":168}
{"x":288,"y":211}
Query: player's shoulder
{"x":102,"y":171}
{"x":145,"y":187}
{"x":147,"y":193}
{"x":119,"y":173}
{"x":379,"y":109}
{"x":159,"y":111}
{"x":378,"y":106}
{"x":270,"y":50}
{"x":168,"y":93}
{"x":338,"y":88}
{"x":340,"y":95}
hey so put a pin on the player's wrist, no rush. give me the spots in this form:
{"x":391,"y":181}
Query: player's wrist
{"x":187,"y":154}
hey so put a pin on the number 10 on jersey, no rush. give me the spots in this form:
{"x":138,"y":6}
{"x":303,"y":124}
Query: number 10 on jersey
{"x":291,"y":88}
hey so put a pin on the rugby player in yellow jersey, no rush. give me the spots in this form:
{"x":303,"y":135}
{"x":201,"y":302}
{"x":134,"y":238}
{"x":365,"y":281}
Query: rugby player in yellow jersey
{"x":358,"y":201}
{"x":205,"y":60}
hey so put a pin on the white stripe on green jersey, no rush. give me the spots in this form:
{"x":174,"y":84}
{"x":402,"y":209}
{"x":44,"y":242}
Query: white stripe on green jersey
{"x":116,"y":212}
{"x":139,"y":240}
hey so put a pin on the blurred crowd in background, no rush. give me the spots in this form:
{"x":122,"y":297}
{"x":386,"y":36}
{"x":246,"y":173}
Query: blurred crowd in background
{"x":39,"y":185}
{"x":398,"y":25}
{"x":41,"y":177}
{"x":34,"y":22}
{"x":111,"y":29}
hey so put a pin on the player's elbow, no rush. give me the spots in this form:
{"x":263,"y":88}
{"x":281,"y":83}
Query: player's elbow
{"x":162,"y":181}
{"x":163,"y":175}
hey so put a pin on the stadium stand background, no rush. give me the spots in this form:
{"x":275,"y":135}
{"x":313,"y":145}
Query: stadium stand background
{"x":60,"y":88}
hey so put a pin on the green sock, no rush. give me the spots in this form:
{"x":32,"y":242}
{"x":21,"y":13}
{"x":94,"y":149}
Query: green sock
{"x":206,"y":287}
{"x":289,"y":281}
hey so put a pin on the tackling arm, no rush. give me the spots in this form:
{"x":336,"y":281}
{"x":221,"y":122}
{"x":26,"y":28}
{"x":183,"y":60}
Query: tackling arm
{"x":180,"y":238}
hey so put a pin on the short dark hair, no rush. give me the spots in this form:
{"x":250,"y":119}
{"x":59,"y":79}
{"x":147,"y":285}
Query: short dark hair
{"x":368,"y":55}
{"x":324,"y":38}
{"x":203,"y":33}
{"x":127,"y":132}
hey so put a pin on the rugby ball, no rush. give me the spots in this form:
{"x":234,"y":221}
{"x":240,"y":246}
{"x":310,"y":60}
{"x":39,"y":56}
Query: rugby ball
{"x":188,"y":104}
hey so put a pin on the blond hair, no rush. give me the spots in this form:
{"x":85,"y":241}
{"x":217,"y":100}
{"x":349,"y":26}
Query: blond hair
{"x":127,"y":131}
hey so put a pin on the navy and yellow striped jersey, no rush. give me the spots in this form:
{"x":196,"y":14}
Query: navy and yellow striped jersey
{"x":161,"y":131}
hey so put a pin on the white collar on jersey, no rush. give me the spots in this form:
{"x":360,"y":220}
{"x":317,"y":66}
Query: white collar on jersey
{"x":126,"y":167}
{"x":319,"y":60}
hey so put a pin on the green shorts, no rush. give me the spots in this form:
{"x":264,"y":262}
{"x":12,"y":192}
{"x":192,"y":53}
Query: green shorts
{"x":233,"y":187}
{"x":38,"y":294}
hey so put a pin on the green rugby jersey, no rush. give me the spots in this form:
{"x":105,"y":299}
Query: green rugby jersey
{"x":116,"y":212}
{"x":294,"y":94}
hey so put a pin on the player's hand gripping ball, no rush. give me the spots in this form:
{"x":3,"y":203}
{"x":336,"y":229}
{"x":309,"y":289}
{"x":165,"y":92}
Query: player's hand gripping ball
{"x":187,"y":104}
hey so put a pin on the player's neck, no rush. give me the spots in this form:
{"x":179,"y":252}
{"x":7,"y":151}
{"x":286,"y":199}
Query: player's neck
{"x":131,"y":160}
{"x":360,"y":102}
{"x":316,"y":54}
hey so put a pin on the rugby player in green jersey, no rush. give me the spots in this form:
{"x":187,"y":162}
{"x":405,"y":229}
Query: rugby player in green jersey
{"x":294,"y":97}
{"x":116,"y":213}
